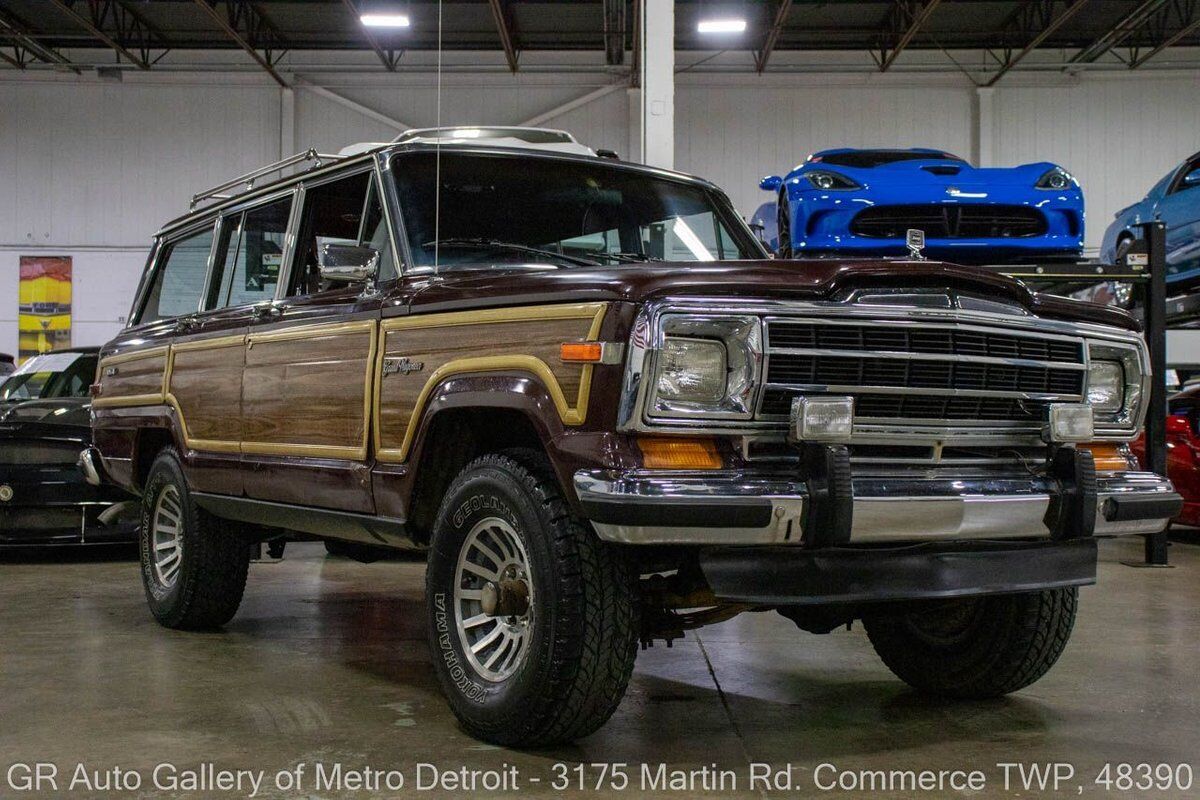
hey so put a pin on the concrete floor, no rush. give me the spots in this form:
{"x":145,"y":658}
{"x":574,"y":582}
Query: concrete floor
{"x":326,"y":662}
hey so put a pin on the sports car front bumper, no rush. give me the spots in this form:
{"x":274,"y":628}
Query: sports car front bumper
{"x":824,"y":223}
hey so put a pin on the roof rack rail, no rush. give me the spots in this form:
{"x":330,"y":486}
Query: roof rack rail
{"x":247,"y":181}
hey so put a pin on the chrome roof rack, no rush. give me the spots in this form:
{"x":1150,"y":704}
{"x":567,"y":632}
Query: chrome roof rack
{"x":246,"y":182}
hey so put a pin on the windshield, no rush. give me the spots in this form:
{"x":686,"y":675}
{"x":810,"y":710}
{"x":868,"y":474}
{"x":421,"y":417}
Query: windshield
{"x":50,"y":375}
{"x":869,"y":159}
{"x":560,"y":212}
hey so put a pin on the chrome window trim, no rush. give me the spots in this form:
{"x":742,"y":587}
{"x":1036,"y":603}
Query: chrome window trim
{"x":645,"y":342}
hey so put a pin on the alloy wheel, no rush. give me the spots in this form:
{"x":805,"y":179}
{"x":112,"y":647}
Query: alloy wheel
{"x":494,"y":599}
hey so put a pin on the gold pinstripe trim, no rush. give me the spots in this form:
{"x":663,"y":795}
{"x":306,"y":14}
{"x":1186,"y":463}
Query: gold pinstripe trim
{"x":571,"y":414}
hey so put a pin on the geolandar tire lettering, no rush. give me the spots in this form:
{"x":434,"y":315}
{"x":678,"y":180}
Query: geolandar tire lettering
{"x":532,"y":620}
{"x":193,"y":564}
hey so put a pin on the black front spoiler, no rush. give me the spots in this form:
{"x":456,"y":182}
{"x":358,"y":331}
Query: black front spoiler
{"x":793,"y":576}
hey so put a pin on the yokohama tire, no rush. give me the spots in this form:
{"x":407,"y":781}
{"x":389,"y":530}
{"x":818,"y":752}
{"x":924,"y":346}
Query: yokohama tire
{"x":974,"y":648}
{"x":202,"y":585}
{"x":574,"y":645}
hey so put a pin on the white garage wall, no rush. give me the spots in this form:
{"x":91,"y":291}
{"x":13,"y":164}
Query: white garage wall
{"x":735,"y":131}
{"x":91,"y":169}
{"x":1118,"y":135}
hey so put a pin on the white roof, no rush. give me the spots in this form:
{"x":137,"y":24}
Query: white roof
{"x":485,"y":135}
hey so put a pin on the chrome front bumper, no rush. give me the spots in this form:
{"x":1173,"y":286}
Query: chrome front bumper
{"x":725,"y":508}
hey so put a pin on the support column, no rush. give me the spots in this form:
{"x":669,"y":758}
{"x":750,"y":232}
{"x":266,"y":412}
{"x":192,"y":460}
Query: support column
{"x":287,"y":122}
{"x":633,"y":151}
{"x":984,"y":155}
{"x":658,"y":83}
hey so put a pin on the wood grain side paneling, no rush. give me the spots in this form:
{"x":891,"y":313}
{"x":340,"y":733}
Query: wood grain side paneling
{"x":530,"y":344}
{"x":206,"y":385}
{"x":305,"y":392}
{"x":136,"y":378}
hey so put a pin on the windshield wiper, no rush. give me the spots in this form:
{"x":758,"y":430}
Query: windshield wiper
{"x":622,"y":258}
{"x":497,"y":244}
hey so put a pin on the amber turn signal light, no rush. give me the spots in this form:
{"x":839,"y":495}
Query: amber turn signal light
{"x":1107,"y":456}
{"x":679,"y":453}
{"x":585,"y":352}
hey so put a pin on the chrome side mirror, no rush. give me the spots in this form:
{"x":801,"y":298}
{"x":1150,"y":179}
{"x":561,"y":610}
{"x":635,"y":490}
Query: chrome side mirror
{"x":348,"y":263}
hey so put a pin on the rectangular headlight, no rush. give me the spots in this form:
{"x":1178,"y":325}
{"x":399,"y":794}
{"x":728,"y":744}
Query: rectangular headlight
{"x":707,"y":366}
{"x":1115,"y":376}
{"x":1106,"y":386}
{"x":692,"y":370}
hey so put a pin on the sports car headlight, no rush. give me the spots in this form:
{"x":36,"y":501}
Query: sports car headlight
{"x":1114,"y":389}
{"x":706,"y":366}
{"x":1055,"y":180}
{"x":831,"y":180}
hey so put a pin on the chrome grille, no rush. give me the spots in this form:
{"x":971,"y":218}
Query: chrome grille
{"x":947,"y":373}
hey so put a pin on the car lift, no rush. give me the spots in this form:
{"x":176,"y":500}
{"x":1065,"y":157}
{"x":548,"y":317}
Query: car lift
{"x":1145,"y":268}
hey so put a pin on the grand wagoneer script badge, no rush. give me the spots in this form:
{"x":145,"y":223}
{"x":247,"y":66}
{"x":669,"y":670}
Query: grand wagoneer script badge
{"x":401,"y":365}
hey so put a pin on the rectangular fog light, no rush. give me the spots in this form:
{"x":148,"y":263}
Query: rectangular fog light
{"x":1070,"y":423}
{"x":822,"y":419}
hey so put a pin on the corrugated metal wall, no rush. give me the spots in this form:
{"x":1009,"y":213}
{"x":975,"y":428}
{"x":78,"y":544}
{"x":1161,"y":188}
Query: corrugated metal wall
{"x":91,"y":169}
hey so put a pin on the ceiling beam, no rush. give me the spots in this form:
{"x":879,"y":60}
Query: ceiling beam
{"x":1119,"y":32}
{"x":14,"y":60}
{"x":614,"y":32}
{"x":500,"y":12}
{"x":110,"y":12}
{"x":246,"y":25}
{"x":1174,"y":23}
{"x":389,"y":57}
{"x":1039,"y":17}
{"x":764,"y":55}
{"x":904,"y":20}
{"x":18,"y":31}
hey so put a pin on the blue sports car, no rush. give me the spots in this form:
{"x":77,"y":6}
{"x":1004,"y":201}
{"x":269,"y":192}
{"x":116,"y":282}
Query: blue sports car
{"x":1176,"y":201}
{"x":861,"y":202}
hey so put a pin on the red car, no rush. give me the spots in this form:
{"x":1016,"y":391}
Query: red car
{"x":1183,"y":452}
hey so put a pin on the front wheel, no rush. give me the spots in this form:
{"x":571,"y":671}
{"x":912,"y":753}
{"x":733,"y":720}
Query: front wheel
{"x":532,"y":620}
{"x":784,"y":246}
{"x":974,"y":648}
{"x":194,"y":565}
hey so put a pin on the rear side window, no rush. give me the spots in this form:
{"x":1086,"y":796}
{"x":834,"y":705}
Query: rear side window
{"x":250,"y":254}
{"x":179,"y":280}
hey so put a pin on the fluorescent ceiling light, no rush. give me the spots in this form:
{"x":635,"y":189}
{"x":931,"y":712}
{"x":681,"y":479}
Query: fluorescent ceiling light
{"x":385,"y":20}
{"x":722,"y":26}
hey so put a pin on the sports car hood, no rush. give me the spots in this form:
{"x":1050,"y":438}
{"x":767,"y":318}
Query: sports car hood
{"x":946,"y":172}
{"x":817,"y":279}
{"x":61,"y":418}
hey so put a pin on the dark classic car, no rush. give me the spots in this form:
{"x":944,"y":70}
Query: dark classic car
{"x":44,"y":426}
{"x":611,"y":418}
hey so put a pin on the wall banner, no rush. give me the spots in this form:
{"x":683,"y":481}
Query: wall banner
{"x":44,"y":313}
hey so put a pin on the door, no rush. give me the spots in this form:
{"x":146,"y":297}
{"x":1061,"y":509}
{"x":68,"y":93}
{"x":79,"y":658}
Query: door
{"x":309,"y":369}
{"x":1180,"y":210}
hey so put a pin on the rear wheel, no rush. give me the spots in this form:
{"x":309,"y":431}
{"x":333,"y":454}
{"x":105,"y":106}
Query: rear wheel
{"x":974,"y":647}
{"x":193,"y":564}
{"x":532,"y":620}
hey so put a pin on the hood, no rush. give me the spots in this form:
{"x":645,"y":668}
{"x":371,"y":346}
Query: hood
{"x":59,"y":418}
{"x":815,"y":279}
{"x":938,"y":172}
